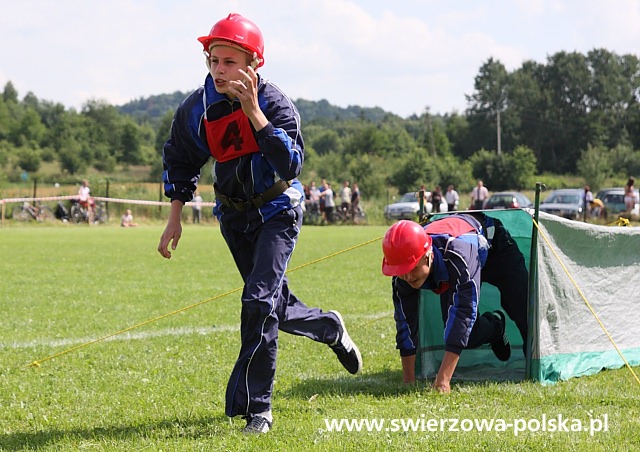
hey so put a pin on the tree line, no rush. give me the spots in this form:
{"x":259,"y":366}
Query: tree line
{"x":575,"y":114}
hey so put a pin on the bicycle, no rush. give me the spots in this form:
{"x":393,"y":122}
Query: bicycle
{"x":80,"y":214}
{"x":340,"y":215}
{"x":28,"y":212}
{"x":344,"y":215}
{"x":358,"y":216}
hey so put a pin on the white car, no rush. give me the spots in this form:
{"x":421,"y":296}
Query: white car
{"x":408,"y":207}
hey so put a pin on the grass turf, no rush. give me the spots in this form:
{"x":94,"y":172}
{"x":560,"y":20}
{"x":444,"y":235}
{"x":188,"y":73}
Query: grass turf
{"x":161,"y":386}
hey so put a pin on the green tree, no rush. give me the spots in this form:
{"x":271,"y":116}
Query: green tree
{"x":70,"y":156}
{"x":130,"y":142}
{"x":368,"y":139}
{"x":490,"y":96}
{"x":10,"y":93}
{"x":529,"y":102}
{"x":595,"y":166}
{"x":104,"y":124}
{"x":29,"y":158}
{"x":504,"y":171}
{"x":523,"y":165}
{"x":163,"y":131}
{"x":413,"y":171}
{"x":366,"y":172}
{"x":6,"y":120}
{"x":458,"y":132}
{"x":29,"y":128}
{"x":326,"y":141}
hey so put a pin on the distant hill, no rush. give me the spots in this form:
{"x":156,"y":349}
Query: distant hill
{"x":318,"y":111}
{"x":151,"y":109}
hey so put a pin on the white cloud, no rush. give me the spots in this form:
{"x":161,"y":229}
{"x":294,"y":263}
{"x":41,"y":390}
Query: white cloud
{"x":401,"y":56}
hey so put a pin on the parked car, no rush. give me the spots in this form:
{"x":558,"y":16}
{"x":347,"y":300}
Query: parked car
{"x":613,"y":200}
{"x":508,"y":200}
{"x":564,"y":202}
{"x":408,"y":206}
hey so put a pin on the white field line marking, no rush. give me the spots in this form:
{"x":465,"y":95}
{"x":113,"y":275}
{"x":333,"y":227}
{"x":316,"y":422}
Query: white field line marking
{"x":142,"y":335}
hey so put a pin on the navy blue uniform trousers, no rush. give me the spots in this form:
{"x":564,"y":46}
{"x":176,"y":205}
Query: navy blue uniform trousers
{"x":505,"y":268}
{"x":268,"y":305}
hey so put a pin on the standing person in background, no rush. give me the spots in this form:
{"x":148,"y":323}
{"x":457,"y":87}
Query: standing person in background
{"x":355,"y":203}
{"x":630,"y":195}
{"x":252,"y":129}
{"x":321,"y":188}
{"x":345,"y":198}
{"x":329,"y":204}
{"x":436,"y":199}
{"x":314,"y":199}
{"x":587,"y":201}
{"x":452,"y":198}
{"x":196,"y":208}
{"x":479,"y":195}
{"x":86,"y":200}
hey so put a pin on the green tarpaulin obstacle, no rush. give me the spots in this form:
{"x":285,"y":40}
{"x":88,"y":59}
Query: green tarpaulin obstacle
{"x":584,"y":303}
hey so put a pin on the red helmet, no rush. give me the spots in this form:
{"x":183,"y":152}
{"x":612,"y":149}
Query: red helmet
{"x":404,"y":244}
{"x":237,"y":30}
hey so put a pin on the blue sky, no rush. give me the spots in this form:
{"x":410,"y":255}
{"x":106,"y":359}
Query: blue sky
{"x":401,"y":56}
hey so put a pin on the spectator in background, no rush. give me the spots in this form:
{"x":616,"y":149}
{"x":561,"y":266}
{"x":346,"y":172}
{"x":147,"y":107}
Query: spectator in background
{"x":436,"y":199}
{"x":314,"y":198}
{"x":598,"y":209}
{"x":452,"y":198}
{"x":127,"y":220}
{"x":329,"y":204}
{"x":479,"y":195}
{"x":321,"y":188}
{"x":345,"y":197}
{"x":86,"y":200}
{"x":355,"y":203}
{"x":196,"y":208}
{"x":630,"y":195}
{"x":587,"y":200}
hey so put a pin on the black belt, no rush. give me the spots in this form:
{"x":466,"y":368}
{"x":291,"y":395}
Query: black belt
{"x":257,"y":201}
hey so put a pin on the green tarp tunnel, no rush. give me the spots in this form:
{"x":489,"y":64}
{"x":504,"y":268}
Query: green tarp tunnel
{"x":568,"y":341}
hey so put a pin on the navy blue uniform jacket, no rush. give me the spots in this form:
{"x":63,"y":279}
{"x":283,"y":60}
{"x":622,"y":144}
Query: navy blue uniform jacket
{"x":460,"y":250}
{"x":280,"y":156}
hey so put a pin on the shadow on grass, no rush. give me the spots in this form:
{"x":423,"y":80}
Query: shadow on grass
{"x":377,"y":384}
{"x":382,"y":384}
{"x":179,"y":428}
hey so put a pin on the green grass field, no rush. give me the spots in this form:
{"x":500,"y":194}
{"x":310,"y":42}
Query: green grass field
{"x":161,"y":386}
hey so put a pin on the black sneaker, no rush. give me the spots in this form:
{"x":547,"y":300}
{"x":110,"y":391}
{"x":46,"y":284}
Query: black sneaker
{"x":347,"y":351}
{"x":501,"y":348}
{"x":256,"y":425}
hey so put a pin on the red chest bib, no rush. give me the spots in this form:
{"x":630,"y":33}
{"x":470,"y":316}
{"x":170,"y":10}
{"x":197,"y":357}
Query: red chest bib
{"x":230,"y":137}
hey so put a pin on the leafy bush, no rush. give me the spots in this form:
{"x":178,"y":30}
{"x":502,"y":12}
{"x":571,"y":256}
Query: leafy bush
{"x":504,"y":171}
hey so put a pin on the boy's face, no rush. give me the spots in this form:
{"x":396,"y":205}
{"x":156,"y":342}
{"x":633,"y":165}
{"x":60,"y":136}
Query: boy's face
{"x":417,"y":277}
{"x":226,"y":63}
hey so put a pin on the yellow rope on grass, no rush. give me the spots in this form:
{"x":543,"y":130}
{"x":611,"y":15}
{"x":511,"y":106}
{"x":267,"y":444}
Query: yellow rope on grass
{"x":146,"y":322}
{"x":587,"y":303}
{"x":37,"y":363}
